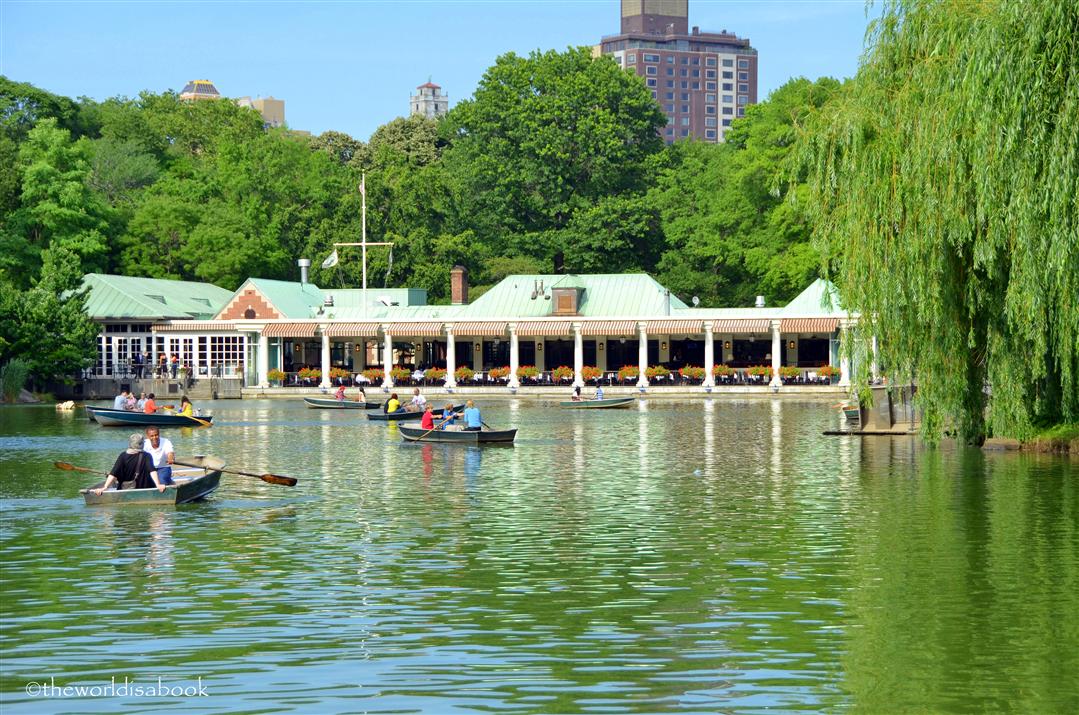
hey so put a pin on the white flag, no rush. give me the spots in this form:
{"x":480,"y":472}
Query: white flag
{"x":331,"y":260}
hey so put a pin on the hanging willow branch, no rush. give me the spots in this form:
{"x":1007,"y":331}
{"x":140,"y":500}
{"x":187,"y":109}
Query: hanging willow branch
{"x":944,"y":190}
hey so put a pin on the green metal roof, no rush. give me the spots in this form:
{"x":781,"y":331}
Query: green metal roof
{"x":127,"y":297}
{"x":821,"y":298}
{"x":290,"y":298}
{"x":604,"y":295}
{"x":303,"y":300}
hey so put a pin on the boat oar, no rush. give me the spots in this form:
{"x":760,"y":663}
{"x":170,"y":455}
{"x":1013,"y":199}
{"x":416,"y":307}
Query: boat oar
{"x":204,"y":423}
{"x":68,"y":467}
{"x":268,"y":478}
{"x":420,"y":438}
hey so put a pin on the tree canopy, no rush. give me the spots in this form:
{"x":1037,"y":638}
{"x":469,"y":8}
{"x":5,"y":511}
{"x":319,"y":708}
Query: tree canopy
{"x":945,"y":196}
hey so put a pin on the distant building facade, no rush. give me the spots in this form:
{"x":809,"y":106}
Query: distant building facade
{"x":429,"y":101}
{"x":702,"y":80}
{"x":271,"y":109}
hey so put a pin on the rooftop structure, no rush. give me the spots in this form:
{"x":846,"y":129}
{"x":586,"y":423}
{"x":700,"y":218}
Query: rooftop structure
{"x":199,"y":89}
{"x":429,"y":101}
{"x":271,"y":109}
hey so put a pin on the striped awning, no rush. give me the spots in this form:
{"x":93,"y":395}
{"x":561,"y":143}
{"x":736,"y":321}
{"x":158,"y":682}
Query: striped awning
{"x":416,"y":330}
{"x":193,"y":326}
{"x":609,"y":327}
{"x":481,"y":330}
{"x":672,"y":327}
{"x":352,"y":330}
{"x":808,"y":325}
{"x":536,"y":329}
{"x":743,"y":325}
{"x":290,"y":330}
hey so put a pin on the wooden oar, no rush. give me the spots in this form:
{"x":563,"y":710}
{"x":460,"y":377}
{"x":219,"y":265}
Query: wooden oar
{"x":420,"y":438}
{"x":204,"y":423}
{"x":68,"y":467}
{"x":268,"y":478}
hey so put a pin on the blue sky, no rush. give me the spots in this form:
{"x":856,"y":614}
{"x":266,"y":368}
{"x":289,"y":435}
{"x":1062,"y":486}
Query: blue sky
{"x":350,"y":65}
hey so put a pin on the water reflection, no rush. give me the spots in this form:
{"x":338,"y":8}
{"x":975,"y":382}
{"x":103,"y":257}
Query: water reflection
{"x":721,"y":558}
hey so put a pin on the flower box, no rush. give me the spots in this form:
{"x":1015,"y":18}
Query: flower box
{"x":527,"y":372}
{"x":463,"y":374}
{"x":628,"y":372}
{"x":400,"y":374}
{"x":562,"y":372}
{"x":590,"y":372}
{"x":374,"y":374}
{"x":498,"y":373}
{"x":689,"y":372}
{"x":433,"y":374}
{"x":655,"y":371}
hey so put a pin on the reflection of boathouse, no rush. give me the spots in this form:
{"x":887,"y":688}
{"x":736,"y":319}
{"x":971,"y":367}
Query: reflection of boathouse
{"x":601,"y":322}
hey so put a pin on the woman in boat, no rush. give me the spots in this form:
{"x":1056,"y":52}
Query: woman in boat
{"x":576,"y":393}
{"x":133,"y":465}
{"x":340,"y":394}
{"x":393,"y":404}
{"x":361,"y":396}
{"x":186,"y":408}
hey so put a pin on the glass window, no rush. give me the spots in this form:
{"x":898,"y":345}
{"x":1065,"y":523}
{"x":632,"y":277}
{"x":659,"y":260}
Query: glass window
{"x":741,"y":111}
{"x":726,"y":122}
{"x":684,"y":72}
{"x":670,"y":59}
{"x":710,"y":74}
{"x":651,"y":58}
{"x":728,"y":63}
{"x":695,"y":61}
{"x":710,"y":133}
{"x":710,"y":109}
{"x":650,"y":70}
{"x":654,"y":96}
{"x":668,"y":108}
{"x":670,"y":120}
{"x":728,"y":75}
{"x":684,"y":84}
{"x":651,"y":82}
{"x":728,"y":86}
{"x":728,"y":98}
{"x":710,"y":98}
{"x":696,"y":73}
{"x":685,"y":132}
{"x":710,"y":85}
{"x":631,"y":59}
{"x":685,"y":96}
{"x":727,"y":110}
{"x":670,"y":131}
{"x":670,"y":95}
{"x":685,"y":60}
{"x":685,"y":121}
{"x":742,"y":99}
{"x":743,"y":88}
{"x":743,"y":64}
{"x":670,"y":71}
{"x":696,"y":85}
{"x":685,"y":109}
{"x":743,"y":76}
{"x":709,"y":121}
{"x":710,"y":61}
{"x":670,"y":83}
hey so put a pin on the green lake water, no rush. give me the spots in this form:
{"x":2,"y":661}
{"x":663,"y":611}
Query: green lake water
{"x":722,"y":557}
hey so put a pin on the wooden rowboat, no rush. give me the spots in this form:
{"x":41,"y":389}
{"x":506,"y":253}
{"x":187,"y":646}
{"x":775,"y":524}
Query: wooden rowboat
{"x":403,"y":414}
{"x":127,"y":418}
{"x":191,"y":483}
{"x":323,"y":403}
{"x":606,"y":403}
{"x":90,"y":413}
{"x":418,"y":434}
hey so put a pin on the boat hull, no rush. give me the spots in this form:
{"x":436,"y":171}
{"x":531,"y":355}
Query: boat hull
{"x":126,"y":418}
{"x":191,"y":483}
{"x":403,"y":415}
{"x":418,"y":434}
{"x":321,"y":403}
{"x":610,"y":403}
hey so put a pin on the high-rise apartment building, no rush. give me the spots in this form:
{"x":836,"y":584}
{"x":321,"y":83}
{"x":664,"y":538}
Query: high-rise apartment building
{"x":429,"y":101}
{"x":702,"y":80}
{"x":272,"y":110}
{"x":199,"y":89}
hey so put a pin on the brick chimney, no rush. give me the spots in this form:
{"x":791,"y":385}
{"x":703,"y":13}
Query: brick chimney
{"x":459,"y":285}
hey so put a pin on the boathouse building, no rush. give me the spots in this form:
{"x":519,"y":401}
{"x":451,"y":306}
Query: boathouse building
{"x":627,"y":329}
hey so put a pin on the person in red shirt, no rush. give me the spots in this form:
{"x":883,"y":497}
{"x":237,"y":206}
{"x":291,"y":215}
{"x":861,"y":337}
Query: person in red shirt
{"x":150,"y":407}
{"x":428,"y":420}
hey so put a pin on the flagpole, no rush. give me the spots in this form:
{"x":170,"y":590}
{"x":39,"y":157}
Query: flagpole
{"x":363,"y":203}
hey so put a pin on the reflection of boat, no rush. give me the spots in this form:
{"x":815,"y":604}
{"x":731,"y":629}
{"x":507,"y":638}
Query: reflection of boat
{"x":191,"y":483}
{"x":418,"y":434}
{"x":127,"y":418}
{"x":402,"y":414}
{"x":606,"y":403}
{"x":335,"y":404}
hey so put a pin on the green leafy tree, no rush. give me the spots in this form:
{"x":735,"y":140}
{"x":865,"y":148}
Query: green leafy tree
{"x":544,"y":137}
{"x":943,"y":194}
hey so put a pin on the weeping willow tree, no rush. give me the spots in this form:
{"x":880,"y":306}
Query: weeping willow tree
{"x":944,"y":191}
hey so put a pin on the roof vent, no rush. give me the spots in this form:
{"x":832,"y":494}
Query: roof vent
{"x":327,"y":302}
{"x":760,"y":302}
{"x":159,"y":298}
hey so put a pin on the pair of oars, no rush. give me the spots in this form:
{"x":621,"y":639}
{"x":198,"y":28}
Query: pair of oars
{"x":268,"y":478}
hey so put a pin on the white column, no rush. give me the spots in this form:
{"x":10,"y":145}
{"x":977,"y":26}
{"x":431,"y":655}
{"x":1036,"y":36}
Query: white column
{"x":325,"y":359}
{"x":844,"y":357}
{"x":515,"y":357}
{"x":874,"y":366}
{"x":642,"y":354}
{"x":387,"y":358}
{"x":451,"y":359}
{"x":263,"y":361}
{"x":709,"y":356}
{"x":578,"y":356}
{"x":777,"y":347}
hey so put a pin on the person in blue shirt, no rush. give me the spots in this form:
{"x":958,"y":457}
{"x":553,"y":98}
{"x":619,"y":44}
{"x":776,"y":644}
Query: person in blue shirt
{"x":599,"y":392}
{"x":449,"y":417}
{"x":473,"y":421}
